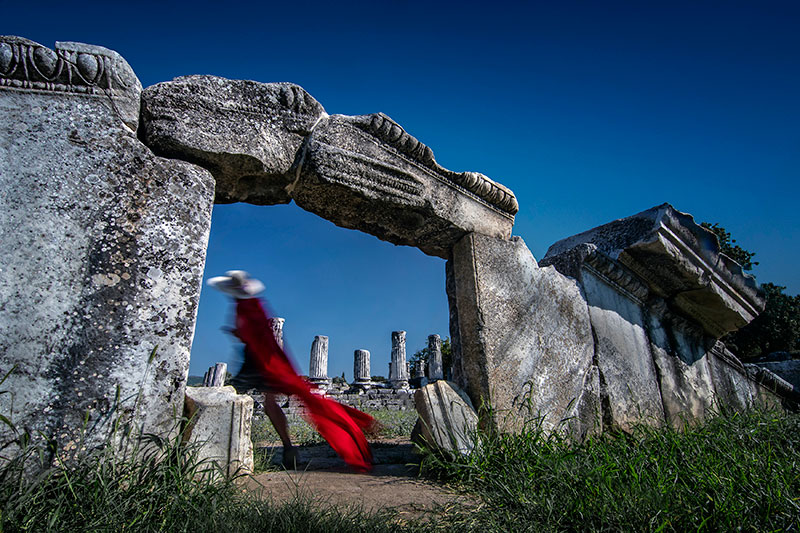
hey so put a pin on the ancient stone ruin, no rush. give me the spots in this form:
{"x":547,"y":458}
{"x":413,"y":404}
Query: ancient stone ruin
{"x":105,"y":216}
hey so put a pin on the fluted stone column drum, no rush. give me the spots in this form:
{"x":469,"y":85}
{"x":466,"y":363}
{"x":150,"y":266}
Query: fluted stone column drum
{"x":398,"y":370}
{"x":435,"y":370}
{"x":276,"y":324}
{"x":361,"y":370}
{"x":318,"y":369}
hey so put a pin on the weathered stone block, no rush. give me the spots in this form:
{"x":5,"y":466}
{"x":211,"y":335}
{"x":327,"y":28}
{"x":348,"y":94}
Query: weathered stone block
{"x":678,"y":259}
{"x":733,"y":389}
{"x":367,"y":173}
{"x":788,"y":370}
{"x":626,"y":368}
{"x":247,"y":133}
{"x":525,"y":337}
{"x":660,"y":294}
{"x":103,"y":248}
{"x":220,"y":421}
{"x":447,"y":417}
{"x":684,"y":374}
{"x":770,"y":390}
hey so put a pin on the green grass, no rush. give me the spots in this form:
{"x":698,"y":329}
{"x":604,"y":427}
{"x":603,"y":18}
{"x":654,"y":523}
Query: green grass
{"x":738,"y":472}
{"x":161,"y":486}
{"x":394,"y":424}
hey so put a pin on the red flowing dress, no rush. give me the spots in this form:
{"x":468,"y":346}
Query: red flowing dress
{"x":342,"y":426}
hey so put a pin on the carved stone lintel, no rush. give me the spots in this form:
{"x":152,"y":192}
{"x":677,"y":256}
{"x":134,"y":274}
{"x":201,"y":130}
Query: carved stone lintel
{"x":268,"y":143}
{"x":75,"y":69}
{"x":367,"y":173}
{"x":246,"y":133}
{"x":390,"y":132}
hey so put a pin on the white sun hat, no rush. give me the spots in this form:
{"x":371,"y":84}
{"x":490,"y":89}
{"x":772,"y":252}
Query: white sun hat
{"x":237,"y":283}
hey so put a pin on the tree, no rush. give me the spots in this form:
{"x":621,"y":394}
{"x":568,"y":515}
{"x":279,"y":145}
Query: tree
{"x":777,"y":328}
{"x":728,"y":246}
{"x":447,"y":355}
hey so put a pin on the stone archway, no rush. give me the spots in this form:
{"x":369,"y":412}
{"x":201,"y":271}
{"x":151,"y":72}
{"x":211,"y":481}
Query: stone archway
{"x":271,"y":143}
{"x":105,"y":243}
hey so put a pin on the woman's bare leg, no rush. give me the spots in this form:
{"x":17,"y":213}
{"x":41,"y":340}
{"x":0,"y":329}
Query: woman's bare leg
{"x":278,"y":418}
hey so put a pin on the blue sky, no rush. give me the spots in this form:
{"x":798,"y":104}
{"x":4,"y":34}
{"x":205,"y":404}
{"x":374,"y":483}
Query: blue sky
{"x":588,"y":111}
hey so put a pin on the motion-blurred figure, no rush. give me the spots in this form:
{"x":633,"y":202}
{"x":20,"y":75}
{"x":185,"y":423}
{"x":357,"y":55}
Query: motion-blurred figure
{"x":267,"y":369}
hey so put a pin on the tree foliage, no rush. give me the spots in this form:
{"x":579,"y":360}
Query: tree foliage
{"x":777,"y":329}
{"x":728,"y":246}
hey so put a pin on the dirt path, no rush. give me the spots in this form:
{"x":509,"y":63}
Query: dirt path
{"x":323,"y":477}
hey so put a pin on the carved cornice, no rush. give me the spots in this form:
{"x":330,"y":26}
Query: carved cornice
{"x":710,"y":278}
{"x":722,"y":353}
{"x":773,"y":383}
{"x":616,"y":275}
{"x":390,"y":132}
{"x":70,"y":68}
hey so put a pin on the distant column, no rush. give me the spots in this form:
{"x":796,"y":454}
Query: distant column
{"x":276,"y":324}
{"x":419,"y":370}
{"x":398,"y":374}
{"x":361,"y":370}
{"x":318,"y":369}
{"x":215,"y":377}
{"x":435,"y":370}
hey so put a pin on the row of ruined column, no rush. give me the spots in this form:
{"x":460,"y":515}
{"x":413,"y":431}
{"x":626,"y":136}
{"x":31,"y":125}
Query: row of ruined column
{"x":399,"y":374}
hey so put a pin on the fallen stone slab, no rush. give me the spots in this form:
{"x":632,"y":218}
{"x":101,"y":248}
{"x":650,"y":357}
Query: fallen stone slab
{"x":447,"y":419}
{"x":219,"y":420}
{"x":677,"y":259}
{"x":660,"y":294}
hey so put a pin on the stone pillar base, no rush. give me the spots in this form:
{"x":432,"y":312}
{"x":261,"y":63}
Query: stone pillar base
{"x":220,"y":421}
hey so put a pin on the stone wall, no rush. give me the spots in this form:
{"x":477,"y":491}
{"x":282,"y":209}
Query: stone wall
{"x":373,"y":399}
{"x":103,"y":249}
{"x":660,"y":294}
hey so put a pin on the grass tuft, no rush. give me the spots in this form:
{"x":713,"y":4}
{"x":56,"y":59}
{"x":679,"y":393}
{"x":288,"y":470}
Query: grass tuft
{"x":735,"y":472}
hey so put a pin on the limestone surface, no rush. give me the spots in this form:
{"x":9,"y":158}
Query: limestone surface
{"x":220,"y":420}
{"x":732,"y":387}
{"x":268,"y":143}
{"x":367,"y":173}
{"x":622,"y":349}
{"x":247,"y":133}
{"x":447,"y":418}
{"x":660,"y":294}
{"x":103,"y":249}
{"x":525,"y":338}
{"x":679,"y":261}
